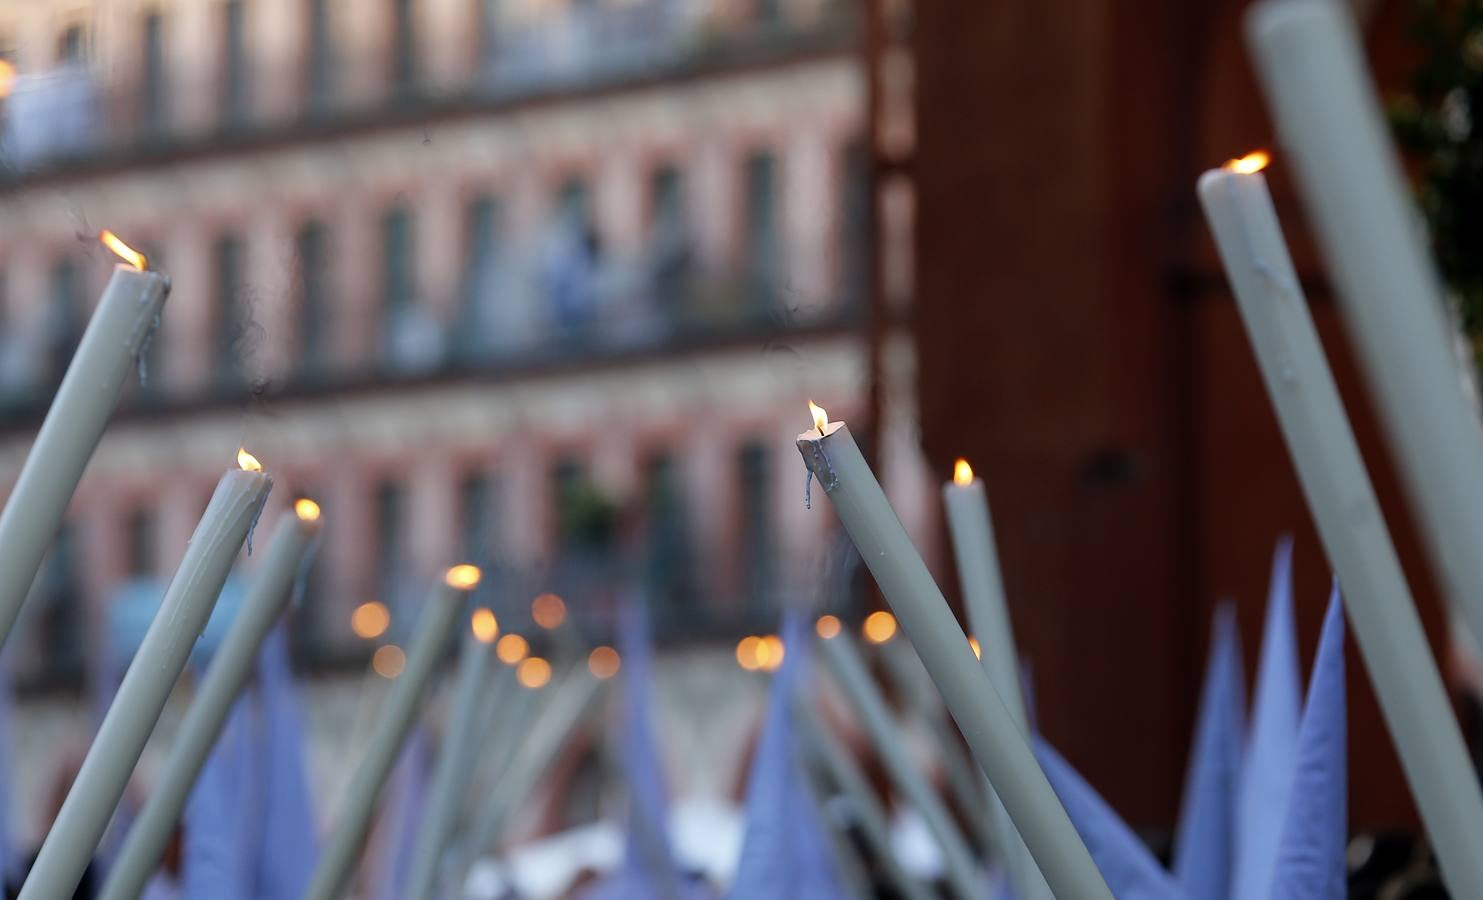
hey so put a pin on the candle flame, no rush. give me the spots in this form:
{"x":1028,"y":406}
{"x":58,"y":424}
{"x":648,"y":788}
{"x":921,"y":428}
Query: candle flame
{"x":389,"y":661}
{"x":485,"y":626}
{"x":879,"y":627}
{"x":511,"y":649}
{"x":1249,"y":164}
{"x":464,"y":577}
{"x":533,"y":672}
{"x":821,"y":418}
{"x":962,"y":473}
{"x":548,"y":611}
{"x":247,"y":461}
{"x":827,"y":626}
{"x":978,"y":650}
{"x":124,"y":251}
{"x":7,"y":77}
{"x":307,"y":510}
{"x":604,"y":662}
{"x":747,"y":652}
{"x":370,"y":620}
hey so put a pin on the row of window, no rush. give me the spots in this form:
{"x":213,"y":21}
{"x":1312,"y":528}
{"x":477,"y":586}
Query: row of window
{"x":578,"y":36}
{"x":585,"y":540}
{"x":510,"y":299}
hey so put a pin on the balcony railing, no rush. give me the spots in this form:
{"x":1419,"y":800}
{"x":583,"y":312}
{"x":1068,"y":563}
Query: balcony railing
{"x":70,"y":115}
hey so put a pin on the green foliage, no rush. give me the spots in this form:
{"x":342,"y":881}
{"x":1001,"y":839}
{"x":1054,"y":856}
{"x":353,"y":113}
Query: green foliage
{"x":1435,"y":124}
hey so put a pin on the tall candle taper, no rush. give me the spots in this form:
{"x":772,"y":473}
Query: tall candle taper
{"x":966,"y":503}
{"x":573,"y":703}
{"x":228,"y":674}
{"x":115,"y":338}
{"x":161,"y":656}
{"x":834,"y":461}
{"x":874,"y":825}
{"x":439,"y":617}
{"x":1339,"y":493}
{"x":843,"y":661}
{"x":1312,"y":69}
{"x":456,"y":758}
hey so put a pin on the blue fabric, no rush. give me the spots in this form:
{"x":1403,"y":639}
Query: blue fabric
{"x":1267,"y":766}
{"x":401,"y":818}
{"x":223,"y":815}
{"x":1129,"y":868}
{"x":1310,"y":864}
{"x":1205,"y":837}
{"x":647,"y":844}
{"x":785,"y":853}
{"x":290,"y":844}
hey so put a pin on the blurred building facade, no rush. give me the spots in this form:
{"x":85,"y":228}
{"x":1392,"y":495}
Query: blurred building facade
{"x":518,"y":282}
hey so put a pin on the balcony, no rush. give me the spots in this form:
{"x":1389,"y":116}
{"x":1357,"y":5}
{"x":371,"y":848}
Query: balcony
{"x":71,"y":120}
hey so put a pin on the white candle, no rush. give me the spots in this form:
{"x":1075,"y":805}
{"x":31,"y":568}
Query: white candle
{"x":116,"y":336}
{"x":874,"y":824}
{"x":971,"y":528}
{"x":227,"y":675}
{"x":1322,"y":445}
{"x":439,"y":616}
{"x":456,"y":762}
{"x":1001,"y":749}
{"x":1312,"y":68}
{"x":161,"y":656}
{"x":963,"y":778}
{"x":843,"y":661}
{"x":575,"y":700}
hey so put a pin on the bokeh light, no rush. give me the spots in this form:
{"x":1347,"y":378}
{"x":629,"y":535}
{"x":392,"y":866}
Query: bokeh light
{"x":533,"y":672}
{"x":879,"y":627}
{"x":747,"y":650}
{"x":388,"y":661}
{"x":484,"y":625}
{"x":770,"y":653}
{"x":827,"y":626}
{"x":548,"y":611}
{"x":370,"y":620}
{"x":604,"y":662}
{"x":511,"y":649}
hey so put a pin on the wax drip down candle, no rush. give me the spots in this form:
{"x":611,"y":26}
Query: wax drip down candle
{"x":116,"y":337}
{"x":1001,"y":749}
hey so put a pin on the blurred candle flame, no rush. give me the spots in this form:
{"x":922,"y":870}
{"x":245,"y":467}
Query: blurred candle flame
{"x":747,"y":652}
{"x":511,"y":649}
{"x":962,"y":473}
{"x":604,"y":662}
{"x":978,"y":651}
{"x":1249,"y":164}
{"x":548,"y":611}
{"x":464,"y":577}
{"x":879,"y":627}
{"x":370,"y":620}
{"x":533,"y":672}
{"x":124,"y":251}
{"x":827,"y":626}
{"x":485,"y":626}
{"x":307,"y":510}
{"x":770,"y":651}
{"x":7,"y":78}
{"x":247,"y":462}
{"x":388,"y":661}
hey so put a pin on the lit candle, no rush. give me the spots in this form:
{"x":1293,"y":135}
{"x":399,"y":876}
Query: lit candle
{"x":1312,"y":68}
{"x":228,"y":674}
{"x":848,"y":669}
{"x":575,"y":700}
{"x":971,"y":528}
{"x":456,"y":759}
{"x":439,"y":617}
{"x":924,"y":709}
{"x":1000,"y":747}
{"x":116,"y":336}
{"x":158,"y":662}
{"x":1322,"y":445}
{"x":871,"y":816}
